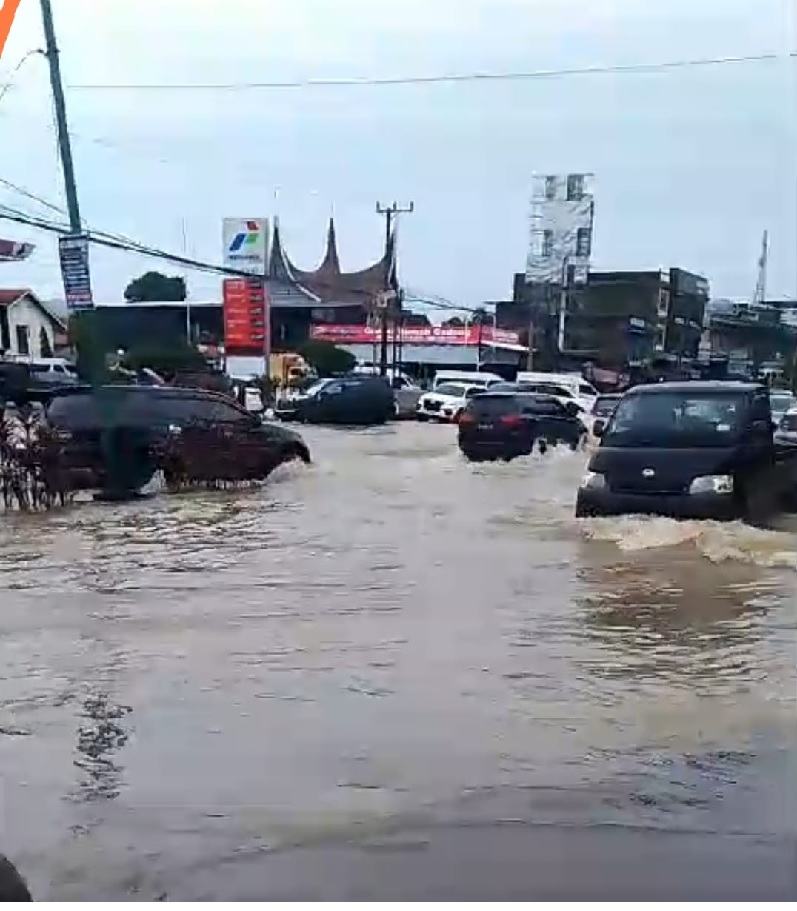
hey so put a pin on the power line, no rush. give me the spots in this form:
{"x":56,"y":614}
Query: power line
{"x":4,"y":89}
{"x":436,"y":79}
{"x":117,"y":242}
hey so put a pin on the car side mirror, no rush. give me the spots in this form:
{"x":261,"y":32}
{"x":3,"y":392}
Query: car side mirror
{"x":599,"y":428}
{"x":573,"y":409}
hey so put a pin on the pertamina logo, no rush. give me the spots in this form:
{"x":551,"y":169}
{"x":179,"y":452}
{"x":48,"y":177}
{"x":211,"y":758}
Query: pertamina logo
{"x":8,"y":11}
{"x":244,"y":244}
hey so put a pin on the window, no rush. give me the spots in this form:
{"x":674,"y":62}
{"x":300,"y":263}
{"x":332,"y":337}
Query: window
{"x":547,"y":242}
{"x":575,"y":187}
{"x":583,"y":243}
{"x":23,"y":340}
{"x":550,"y":187}
{"x":492,"y":406}
{"x":452,"y":389}
{"x":225,"y":413}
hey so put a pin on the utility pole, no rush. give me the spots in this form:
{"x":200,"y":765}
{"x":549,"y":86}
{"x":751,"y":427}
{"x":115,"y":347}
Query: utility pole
{"x":62,"y":125}
{"x":390,"y":212}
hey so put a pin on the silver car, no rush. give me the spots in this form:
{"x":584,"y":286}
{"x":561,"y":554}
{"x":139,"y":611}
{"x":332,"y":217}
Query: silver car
{"x":787,"y":428}
{"x":781,"y":401}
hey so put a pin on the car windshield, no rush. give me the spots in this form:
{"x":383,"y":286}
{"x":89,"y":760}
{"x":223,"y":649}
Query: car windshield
{"x":453,"y":389}
{"x":781,"y":401}
{"x":315,"y":387}
{"x":670,"y":418}
{"x":605,"y":404}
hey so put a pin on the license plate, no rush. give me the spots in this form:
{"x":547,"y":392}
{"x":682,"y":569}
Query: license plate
{"x":485,"y":426}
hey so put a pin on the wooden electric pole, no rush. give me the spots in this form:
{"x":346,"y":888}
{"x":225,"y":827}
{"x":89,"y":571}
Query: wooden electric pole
{"x":390,"y":212}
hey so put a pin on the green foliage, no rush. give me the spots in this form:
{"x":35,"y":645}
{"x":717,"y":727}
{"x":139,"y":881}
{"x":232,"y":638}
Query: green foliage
{"x":84,"y":335}
{"x":166,"y":361}
{"x":155,"y":286}
{"x":327,"y":359}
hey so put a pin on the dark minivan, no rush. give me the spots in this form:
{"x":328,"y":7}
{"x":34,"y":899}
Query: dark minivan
{"x":702,"y":450}
{"x":505,"y":425}
{"x":115,"y":438}
{"x":355,"y":400}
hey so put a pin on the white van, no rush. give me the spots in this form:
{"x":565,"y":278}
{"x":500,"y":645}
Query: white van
{"x":582,"y":391}
{"x":469,"y":377}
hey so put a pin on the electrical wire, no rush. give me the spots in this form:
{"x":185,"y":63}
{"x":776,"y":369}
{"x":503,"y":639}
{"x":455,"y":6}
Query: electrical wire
{"x":7,"y":86}
{"x":115,"y":243}
{"x":435,"y":79}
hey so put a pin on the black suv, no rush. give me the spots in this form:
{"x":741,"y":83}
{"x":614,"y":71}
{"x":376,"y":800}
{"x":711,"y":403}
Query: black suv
{"x":503,"y":425}
{"x":115,"y":438}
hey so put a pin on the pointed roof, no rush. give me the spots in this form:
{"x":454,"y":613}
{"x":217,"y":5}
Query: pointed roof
{"x":328,"y":283}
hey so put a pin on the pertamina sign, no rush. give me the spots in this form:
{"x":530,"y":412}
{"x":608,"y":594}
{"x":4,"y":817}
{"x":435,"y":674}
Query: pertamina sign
{"x":246,"y":244}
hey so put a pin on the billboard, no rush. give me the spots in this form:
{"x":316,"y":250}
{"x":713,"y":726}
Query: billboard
{"x":246,"y":316}
{"x":561,"y":225}
{"x":246,"y":244}
{"x":416,"y":335}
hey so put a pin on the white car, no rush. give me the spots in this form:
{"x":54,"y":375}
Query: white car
{"x":563,"y":394}
{"x":446,"y":402}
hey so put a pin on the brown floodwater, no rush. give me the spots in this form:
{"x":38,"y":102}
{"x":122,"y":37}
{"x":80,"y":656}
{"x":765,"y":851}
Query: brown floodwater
{"x":394,"y":674}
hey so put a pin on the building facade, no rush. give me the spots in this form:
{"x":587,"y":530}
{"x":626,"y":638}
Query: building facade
{"x":27,"y":326}
{"x":614,"y":318}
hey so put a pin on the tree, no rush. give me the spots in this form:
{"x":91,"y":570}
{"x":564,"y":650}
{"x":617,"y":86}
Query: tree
{"x":456,"y":322}
{"x":45,"y":346}
{"x":327,"y":359}
{"x":155,"y":286}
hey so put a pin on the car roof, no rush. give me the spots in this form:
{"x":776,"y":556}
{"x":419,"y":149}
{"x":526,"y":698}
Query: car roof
{"x":698,"y":387}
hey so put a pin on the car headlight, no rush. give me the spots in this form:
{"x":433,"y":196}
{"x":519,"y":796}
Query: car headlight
{"x":593,"y":480}
{"x":713,"y":483}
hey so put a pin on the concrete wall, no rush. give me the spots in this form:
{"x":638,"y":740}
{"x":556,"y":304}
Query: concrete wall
{"x":22,"y":314}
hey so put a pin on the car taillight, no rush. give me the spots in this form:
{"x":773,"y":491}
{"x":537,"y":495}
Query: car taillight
{"x":511,"y":420}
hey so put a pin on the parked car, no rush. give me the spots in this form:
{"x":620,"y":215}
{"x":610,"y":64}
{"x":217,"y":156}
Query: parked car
{"x":696,"y":450}
{"x":602,"y":410}
{"x":564,"y":393}
{"x":781,"y":401}
{"x":23,"y":382}
{"x":787,"y":428}
{"x":505,"y":425}
{"x":356,"y":400}
{"x":405,"y":391}
{"x":446,"y":402}
{"x":115,"y":438}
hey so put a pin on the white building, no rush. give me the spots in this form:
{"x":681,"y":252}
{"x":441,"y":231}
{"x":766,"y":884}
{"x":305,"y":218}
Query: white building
{"x":28,"y":328}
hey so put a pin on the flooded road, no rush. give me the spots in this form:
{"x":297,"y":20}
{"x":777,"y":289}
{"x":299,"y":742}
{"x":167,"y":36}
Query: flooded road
{"x":395,"y":674}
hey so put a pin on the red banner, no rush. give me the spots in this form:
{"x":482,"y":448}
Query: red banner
{"x":416,"y":335}
{"x":246,"y":316}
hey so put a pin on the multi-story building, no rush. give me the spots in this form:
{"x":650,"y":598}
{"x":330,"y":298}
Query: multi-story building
{"x":751,"y":336}
{"x":614,"y":318}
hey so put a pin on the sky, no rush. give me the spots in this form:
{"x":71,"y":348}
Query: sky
{"x":690,"y":165}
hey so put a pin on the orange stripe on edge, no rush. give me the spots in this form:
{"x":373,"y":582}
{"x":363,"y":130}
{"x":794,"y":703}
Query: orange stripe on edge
{"x":7,"y":14}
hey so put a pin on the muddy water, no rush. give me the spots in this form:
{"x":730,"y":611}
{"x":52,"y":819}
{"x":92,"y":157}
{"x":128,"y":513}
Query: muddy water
{"x":225,"y":695}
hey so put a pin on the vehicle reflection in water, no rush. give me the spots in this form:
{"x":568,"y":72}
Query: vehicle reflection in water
{"x":100,"y":738}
